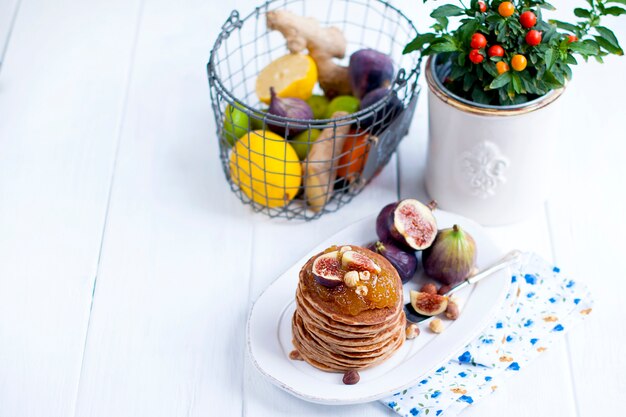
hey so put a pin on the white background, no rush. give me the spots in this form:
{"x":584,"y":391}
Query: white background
{"x":127,"y":267}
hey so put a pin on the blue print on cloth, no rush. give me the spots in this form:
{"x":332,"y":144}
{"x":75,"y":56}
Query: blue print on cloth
{"x":443,"y":368}
{"x":576,"y":300}
{"x":488,"y":341}
{"x":513,"y":279}
{"x":530,"y":279}
{"x":439,"y":412}
{"x":435,"y":394}
{"x":466,"y":357}
{"x":530,"y":294}
{"x":462,"y":374}
{"x":488,"y":378}
{"x":528,"y":323}
{"x":558,"y":328}
{"x":392,"y":404}
{"x":509,"y":338}
{"x":533,"y":340}
{"x":556,"y":269}
{"x":499,"y":325}
{"x":552,"y":300}
{"x":570,"y":284}
{"x":423,"y":381}
{"x":466,"y":398}
{"x":414,"y":411}
{"x":514,"y":366}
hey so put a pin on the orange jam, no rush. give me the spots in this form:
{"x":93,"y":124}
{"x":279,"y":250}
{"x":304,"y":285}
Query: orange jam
{"x":381,"y":293}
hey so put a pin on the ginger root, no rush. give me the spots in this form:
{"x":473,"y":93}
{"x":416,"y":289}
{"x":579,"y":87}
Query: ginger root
{"x":321,"y":164}
{"x":323,"y":44}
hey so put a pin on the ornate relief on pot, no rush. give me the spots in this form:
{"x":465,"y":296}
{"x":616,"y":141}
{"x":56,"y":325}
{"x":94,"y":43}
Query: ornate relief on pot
{"x":482,"y":169}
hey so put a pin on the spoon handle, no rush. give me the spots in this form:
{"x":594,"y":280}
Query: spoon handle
{"x":506,"y":260}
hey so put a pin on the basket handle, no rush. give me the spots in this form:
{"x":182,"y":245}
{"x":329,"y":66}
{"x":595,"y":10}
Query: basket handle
{"x":401,"y":78}
{"x":233,"y":22}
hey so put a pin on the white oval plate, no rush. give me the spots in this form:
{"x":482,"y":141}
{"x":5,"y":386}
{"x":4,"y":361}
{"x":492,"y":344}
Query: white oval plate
{"x":269,"y":327}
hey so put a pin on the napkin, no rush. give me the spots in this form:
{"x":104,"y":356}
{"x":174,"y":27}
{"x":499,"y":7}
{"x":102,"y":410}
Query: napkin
{"x":540,"y":306}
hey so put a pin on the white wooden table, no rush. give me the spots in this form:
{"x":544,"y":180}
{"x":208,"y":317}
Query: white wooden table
{"x":127,"y":268}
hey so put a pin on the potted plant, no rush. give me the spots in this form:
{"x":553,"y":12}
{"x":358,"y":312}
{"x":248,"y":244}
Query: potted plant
{"x":494,"y":84}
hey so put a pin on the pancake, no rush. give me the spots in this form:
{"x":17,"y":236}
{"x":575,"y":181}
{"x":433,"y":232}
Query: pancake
{"x":338,"y":329}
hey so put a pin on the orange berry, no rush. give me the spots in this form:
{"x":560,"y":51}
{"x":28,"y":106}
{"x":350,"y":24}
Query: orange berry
{"x":506,"y":9}
{"x":518,"y":62}
{"x":502,"y":67}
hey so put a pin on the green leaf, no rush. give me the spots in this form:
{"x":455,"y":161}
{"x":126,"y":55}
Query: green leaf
{"x":617,"y":1}
{"x":550,"y":58}
{"x":564,"y":25}
{"x":608,"y":46}
{"x":447,"y":10}
{"x":571,"y":60}
{"x":501,"y":80}
{"x":548,"y":6}
{"x":551,"y":80}
{"x":443,"y":47}
{"x":579,"y":12}
{"x":419,"y":42}
{"x":517,"y":84}
{"x":587,"y":47}
{"x":609,"y":36}
{"x":479,"y":96}
{"x":614,"y":11}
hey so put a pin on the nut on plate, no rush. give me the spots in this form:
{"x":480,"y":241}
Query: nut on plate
{"x":351,"y":377}
{"x":452,"y":311}
{"x":412,"y":331}
{"x":294,"y":355}
{"x":429,"y":288}
{"x":436,"y":326}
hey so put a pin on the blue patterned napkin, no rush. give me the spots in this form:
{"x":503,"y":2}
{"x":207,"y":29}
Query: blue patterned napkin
{"x":540,"y":306}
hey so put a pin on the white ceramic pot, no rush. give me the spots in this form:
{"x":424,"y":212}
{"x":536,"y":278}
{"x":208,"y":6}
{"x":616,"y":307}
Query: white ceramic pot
{"x":489,"y":163}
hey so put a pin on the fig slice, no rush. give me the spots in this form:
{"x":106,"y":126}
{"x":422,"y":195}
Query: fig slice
{"x":428,"y":304}
{"x":355,"y":261}
{"x":327,"y":269}
{"x":413,"y":224}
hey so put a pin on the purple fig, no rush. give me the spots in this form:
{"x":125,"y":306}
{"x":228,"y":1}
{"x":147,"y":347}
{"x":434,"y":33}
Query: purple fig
{"x":293,"y":108}
{"x":408,"y":222}
{"x":452,"y":256}
{"x":382,"y":117}
{"x":369,"y":70}
{"x":404,"y":262}
{"x":327,"y":269}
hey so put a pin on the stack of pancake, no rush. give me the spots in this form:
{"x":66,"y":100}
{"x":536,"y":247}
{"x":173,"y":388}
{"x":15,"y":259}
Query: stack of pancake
{"x":334,"y":341}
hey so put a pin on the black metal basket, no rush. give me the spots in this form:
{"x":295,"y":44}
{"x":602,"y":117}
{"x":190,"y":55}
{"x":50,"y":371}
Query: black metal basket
{"x":259,"y":177}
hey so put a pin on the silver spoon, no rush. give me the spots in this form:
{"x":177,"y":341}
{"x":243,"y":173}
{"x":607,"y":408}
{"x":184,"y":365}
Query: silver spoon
{"x":508,"y":259}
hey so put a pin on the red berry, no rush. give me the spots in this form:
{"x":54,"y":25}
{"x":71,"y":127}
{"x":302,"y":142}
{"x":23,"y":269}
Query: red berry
{"x":478,"y":41}
{"x":528,"y":19}
{"x":495,"y":50}
{"x":482,"y":6}
{"x":533,"y":37}
{"x":475,"y":56}
{"x":572,"y":38}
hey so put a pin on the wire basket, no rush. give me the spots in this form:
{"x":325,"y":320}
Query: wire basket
{"x":261,"y":171}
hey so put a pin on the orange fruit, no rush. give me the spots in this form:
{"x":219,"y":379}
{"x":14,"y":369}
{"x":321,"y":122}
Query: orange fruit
{"x":518,"y":62}
{"x":506,"y":9}
{"x":354,"y":155}
{"x":292,"y":75}
{"x":502,"y":67}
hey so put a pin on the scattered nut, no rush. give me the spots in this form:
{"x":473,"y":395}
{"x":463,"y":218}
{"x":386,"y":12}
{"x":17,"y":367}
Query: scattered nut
{"x":412,"y":331}
{"x":361,"y":290}
{"x":436,"y":326}
{"x":351,"y":278}
{"x":365,"y":275}
{"x":444,"y":289}
{"x":294,"y":355}
{"x":345,"y":249}
{"x":452,"y":311}
{"x":429,"y":288}
{"x":351,"y":377}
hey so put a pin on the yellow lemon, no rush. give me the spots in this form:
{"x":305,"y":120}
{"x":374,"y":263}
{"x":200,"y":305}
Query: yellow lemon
{"x":292,"y":75}
{"x":266,"y":168}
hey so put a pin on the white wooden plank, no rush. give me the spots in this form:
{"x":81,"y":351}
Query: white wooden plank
{"x":61,"y":102}
{"x":166,"y":336}
{"x":586,"y":217}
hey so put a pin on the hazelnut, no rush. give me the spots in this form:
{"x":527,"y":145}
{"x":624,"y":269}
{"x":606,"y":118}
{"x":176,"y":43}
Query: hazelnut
{"x":351,"y":377}
{"x":444,"y":289}
{"x":452,"y":311}
{"x":351,"y":278}
{"x":365,"y":275}
{"x":361,"y":290}
{"x":345,"y":249}
{"x":412,"y":331}
{"x":429,"y":288}
{"x":294,"y":355}
{"x":436,"y":326}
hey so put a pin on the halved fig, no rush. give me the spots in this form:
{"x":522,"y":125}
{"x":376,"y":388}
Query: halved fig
{"x":327,"y":269}
{"x":409,"y":223}
{"x":428,"y":304}
{"x":355,"y":261}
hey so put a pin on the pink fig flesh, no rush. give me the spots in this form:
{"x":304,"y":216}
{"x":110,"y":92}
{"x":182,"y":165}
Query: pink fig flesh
{"x":355,"y":261}
{"x":327,"y":269}
{"x":428,"y":304}
{"x":413,"y":224}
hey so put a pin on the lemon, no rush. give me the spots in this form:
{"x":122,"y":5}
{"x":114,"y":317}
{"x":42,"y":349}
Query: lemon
{"x":266,"y":168}
{"x":292,"y":75}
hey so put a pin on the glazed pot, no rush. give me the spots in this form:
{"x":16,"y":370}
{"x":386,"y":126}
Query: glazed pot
{"x":489,"y":163}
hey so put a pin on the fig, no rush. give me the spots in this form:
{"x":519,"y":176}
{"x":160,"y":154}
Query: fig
{"x":368,"y":70}
{"x":355,"y":261}
{"x":293,"y":108}
{"x":404,"y":262}
{"x":408,"y":222}
{"x":428,"y":304}
{"x":327,"y":269}
{"x":452,"y":256}
{"x":383,"y":116}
